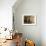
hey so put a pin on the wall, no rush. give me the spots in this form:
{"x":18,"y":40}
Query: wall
{"x":31,"y":7}
{"x":43,"y":22}
{"x":6,"y":13}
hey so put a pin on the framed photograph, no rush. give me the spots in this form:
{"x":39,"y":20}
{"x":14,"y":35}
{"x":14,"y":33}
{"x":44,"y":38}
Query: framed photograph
{"x":28,"y":20}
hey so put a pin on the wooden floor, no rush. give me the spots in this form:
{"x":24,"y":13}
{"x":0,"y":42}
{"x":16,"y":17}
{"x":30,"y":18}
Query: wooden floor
{"x":9,"y":43}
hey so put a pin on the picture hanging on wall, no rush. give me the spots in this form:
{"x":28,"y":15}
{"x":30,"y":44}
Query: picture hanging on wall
{"x":28,"y":20}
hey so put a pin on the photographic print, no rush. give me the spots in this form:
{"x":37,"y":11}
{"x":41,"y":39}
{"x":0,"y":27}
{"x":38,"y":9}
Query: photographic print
{"x":29,"y":20}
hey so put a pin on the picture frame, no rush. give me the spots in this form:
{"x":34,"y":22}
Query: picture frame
{"x":28,"y":20}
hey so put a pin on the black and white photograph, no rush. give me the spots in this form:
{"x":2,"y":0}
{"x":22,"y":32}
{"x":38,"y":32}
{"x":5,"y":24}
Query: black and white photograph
{"x":29,"y":20}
